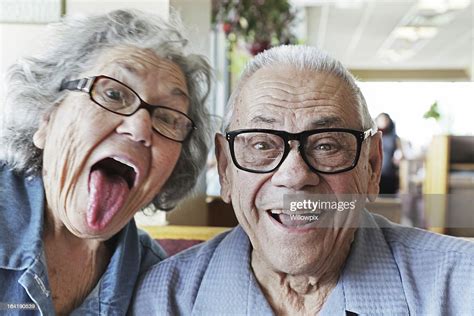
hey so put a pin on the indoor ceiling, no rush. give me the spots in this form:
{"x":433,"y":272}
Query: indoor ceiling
{"x":430,"y":36}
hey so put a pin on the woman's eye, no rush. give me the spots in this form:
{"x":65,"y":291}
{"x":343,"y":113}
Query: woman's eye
{"x":168,"y":119}
{"x":114,"y":95}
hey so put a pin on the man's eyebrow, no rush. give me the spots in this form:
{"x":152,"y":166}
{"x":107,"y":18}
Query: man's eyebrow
{"x":262,"y":119}
{"x":329,"y":121}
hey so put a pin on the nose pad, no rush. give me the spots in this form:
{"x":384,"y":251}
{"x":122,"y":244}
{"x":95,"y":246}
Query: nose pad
{"x":294,"y":173}
{"x":137,"y":127}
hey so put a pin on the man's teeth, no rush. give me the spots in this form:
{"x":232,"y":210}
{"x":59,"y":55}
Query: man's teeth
{"x":288,"y":212}
{"x":276,"y":211}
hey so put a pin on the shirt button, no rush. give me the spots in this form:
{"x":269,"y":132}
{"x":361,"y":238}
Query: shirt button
{"x":41,"y":285}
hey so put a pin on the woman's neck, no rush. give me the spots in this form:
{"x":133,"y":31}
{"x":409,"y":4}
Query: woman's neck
{"x":74,"y":265}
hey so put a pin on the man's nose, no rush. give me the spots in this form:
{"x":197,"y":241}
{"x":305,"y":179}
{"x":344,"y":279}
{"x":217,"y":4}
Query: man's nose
{"x":137,"y":127}
{"x":294,"y":173}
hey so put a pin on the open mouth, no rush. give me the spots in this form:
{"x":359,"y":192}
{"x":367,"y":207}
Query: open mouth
{"x":110,"y":183}
{"x":295,"y":219}
{"x":113,"y":167}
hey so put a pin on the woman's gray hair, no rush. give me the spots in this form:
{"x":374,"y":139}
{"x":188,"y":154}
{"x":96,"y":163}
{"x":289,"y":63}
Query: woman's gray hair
{"x":303,"y":58}
{"x":33,"y":87}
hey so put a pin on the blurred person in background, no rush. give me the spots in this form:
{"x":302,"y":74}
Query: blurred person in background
{"x":392,"y":154}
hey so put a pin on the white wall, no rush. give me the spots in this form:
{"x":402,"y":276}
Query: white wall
{"x":21,"y":39}
{"x":196,"y":16}
{"x":406,"y":102}
{"x":160,"y":7}
{"x":17,"y":40}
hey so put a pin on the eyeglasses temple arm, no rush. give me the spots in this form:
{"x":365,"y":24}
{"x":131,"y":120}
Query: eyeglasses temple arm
{"x":83,"y":84}
{"x":370,"y":132}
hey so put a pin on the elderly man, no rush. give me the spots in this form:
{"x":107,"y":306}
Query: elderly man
{"x":298,"y":127}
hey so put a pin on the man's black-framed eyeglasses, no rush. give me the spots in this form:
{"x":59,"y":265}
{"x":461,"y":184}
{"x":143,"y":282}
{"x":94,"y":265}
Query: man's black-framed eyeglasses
{"x":328,"y":150}
{"x":116,"y":97}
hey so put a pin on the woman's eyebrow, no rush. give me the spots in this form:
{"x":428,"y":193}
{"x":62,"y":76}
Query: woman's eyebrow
{"x":123,"y":69}
{"x":179,"y":92}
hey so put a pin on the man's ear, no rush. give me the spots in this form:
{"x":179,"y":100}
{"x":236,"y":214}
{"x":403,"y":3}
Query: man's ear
{"x":39,"y":137}
{"x":375,"y":166}
{"x":222,"y":164}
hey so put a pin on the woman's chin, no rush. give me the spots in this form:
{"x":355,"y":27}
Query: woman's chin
{"x":86,"y":231}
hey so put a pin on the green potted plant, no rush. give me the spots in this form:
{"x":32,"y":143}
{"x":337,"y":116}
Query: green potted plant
{"x":261,"y":23}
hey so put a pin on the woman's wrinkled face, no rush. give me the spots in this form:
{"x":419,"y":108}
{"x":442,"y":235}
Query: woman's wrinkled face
{"x":100,"y":168}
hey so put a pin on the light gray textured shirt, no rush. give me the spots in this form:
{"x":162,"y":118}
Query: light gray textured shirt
{"x":391,"y":270}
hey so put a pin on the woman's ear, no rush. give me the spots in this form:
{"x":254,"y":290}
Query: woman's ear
{"x":39,"y":137}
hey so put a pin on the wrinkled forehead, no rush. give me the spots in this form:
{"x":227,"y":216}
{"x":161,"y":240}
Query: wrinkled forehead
{"x":284,"y":97}
{"x":144,"y":63}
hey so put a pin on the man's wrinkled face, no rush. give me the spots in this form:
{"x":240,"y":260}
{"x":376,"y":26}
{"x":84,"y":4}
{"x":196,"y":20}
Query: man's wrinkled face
{"x":287,"y":99}
{"x":100,"y":168}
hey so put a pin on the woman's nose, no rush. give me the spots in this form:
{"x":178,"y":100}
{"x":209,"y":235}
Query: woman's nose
{"x":138,"y":127}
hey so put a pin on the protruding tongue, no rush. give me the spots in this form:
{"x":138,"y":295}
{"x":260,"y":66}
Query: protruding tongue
{"x":107,"y":194}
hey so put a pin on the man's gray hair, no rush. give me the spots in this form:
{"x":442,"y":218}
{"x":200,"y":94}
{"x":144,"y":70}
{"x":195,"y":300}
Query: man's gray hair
{"x":303,"y":58}
{"x":33,"y":87}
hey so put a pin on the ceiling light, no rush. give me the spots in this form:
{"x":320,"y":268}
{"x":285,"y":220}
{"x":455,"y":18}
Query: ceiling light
{"x":415,"y":33}
{"x":428,"y":7}
{"x":458,"y":4}
{"x":349,"y":4}
{"x":426,"y":32}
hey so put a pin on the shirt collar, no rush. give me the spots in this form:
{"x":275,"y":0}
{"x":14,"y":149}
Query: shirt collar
{"x":112,"y":294}
{"x":21,"y":218}
{"x":229,"y":279}
{"x":371,"y":279}
{"x":369,"y":284}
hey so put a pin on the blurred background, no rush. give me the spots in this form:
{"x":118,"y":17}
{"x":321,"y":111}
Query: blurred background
{"x":413,"y":60}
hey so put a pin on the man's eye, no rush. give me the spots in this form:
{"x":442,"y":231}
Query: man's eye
{"x":327,"y":146}
{"x":324,"y":147}
{"x":263,"y":146}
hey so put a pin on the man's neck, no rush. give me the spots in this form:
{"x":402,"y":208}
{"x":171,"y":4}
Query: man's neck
{"x":302,"y":293}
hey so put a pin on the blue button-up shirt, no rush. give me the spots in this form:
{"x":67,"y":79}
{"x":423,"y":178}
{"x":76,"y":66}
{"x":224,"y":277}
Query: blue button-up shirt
{"x":391,"y":270}
{"x":24,"y":287}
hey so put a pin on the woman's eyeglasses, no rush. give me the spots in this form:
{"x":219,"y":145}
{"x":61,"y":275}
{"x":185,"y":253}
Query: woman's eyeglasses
{"x":116,"y":97}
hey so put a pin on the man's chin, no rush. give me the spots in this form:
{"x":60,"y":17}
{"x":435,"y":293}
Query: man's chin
{"x":291,"y":262}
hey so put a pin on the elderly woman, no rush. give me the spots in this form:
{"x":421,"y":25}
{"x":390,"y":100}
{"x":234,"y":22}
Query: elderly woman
{"x":109,"y":120}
